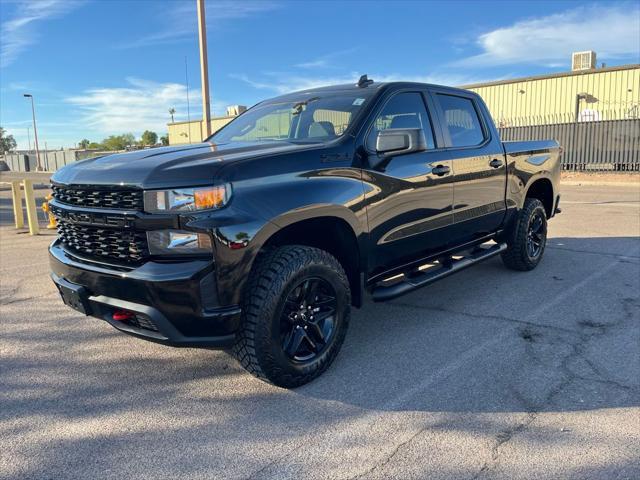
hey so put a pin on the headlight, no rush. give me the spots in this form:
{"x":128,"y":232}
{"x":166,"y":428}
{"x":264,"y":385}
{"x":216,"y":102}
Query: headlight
{"x":186,"y":199}
{"x":178,"y":242}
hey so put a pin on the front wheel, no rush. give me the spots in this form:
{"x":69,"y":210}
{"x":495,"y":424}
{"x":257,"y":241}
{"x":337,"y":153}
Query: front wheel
{"x":295,"y":315}
{"x":527,"y":241}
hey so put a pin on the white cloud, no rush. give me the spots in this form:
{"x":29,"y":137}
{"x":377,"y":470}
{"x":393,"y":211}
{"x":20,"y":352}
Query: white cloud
{"x":231,"y":9}
{"x":284,"y":83}
{"x":612,"y":31}
{"x":19,"y":32}
{"x":137,"y":107}
{"x":25,"y":140}
{"x":325,"y":61}
{"x":182,"y":23}
{"x":321,"y":62}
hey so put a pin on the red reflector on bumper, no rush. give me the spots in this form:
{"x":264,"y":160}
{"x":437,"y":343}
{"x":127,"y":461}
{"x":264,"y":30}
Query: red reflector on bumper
{"x":122,"y":315}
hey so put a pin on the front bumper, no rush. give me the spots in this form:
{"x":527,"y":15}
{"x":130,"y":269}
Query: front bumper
{"x":176,"y":301}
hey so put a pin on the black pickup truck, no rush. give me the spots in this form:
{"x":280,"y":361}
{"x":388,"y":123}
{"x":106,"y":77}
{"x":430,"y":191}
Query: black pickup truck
{"x":261,"y":238}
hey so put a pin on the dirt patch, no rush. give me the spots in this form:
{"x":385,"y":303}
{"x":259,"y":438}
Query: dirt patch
{"x":601,"y":178}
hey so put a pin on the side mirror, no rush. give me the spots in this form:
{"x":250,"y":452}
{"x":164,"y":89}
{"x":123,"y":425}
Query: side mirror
{"x":393,"y":142}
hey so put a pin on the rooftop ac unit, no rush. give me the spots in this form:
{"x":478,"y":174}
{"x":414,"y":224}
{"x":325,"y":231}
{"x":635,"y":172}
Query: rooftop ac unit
{"x":235,"y":110}
{"x":583,"y":61}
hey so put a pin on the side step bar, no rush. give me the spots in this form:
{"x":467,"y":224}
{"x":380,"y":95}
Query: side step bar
{"x":419,"y":279}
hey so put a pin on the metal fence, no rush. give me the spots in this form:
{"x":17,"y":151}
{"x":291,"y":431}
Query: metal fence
{"x":608,"y":145}
{"x":51,"y":160}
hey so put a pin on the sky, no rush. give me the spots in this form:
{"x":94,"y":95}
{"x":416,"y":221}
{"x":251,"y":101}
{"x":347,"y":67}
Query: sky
{"x":104,"y":67}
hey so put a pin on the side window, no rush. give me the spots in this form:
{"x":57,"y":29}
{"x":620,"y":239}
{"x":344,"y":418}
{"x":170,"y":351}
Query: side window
{"x":461,"y":119}
{"x":405,"y":110}
{"x":333,"y":120}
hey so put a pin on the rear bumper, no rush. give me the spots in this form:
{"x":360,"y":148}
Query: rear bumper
{"x":176,"y":302}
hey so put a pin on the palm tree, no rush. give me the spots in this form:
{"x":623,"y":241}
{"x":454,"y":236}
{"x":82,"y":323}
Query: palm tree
{"x":171,"y":112}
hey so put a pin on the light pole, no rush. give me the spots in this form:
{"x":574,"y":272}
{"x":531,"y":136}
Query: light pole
{"x":35,"y":131}
{"x":580,"y":96}
{"x":204,"y":68}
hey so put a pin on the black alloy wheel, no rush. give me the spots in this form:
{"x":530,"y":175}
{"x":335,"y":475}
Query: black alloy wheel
{"x":295,"y":315}
{"x":307,"y":324}
{"x":527,"y":237}
{"x":536,"y":234}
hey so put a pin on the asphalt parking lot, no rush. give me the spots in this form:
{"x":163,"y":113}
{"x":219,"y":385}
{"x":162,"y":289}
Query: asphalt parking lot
{"x":486,"y":374}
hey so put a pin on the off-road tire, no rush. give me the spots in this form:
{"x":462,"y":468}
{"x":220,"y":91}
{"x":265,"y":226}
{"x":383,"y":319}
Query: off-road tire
{"x":516,"y":256}
{"x":275,"y":271}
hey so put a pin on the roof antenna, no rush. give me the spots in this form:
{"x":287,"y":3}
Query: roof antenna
{"x":364,"y":81}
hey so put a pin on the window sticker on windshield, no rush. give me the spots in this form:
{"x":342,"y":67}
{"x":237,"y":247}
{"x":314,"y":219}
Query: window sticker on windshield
{"x":358,"y":101}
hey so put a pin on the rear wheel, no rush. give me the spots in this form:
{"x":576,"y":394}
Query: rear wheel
{"x":295,"y":315}
{"x":527,"y":241}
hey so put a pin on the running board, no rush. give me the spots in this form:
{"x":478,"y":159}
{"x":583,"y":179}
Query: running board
{"x":420,"y":278}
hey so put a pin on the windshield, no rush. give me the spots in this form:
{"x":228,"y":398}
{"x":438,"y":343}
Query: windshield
{"x":314,"y":119}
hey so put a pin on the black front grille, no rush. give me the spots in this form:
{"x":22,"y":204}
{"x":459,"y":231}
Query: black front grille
{"x":105,"y":243}
{"x":99,"y":198}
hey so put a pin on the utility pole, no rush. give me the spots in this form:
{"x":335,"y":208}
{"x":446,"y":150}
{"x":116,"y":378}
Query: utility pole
{"x":35,"y":131}
{"x":186,"y":78}
{"x":204,"y":68}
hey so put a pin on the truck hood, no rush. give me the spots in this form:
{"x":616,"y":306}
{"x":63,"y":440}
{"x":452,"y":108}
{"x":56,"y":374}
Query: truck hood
{"x":185,"y":165}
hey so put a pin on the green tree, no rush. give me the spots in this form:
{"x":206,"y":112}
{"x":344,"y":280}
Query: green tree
{"x":84,"y":144}
{"x":164,"y":140}
{"x":118,"y":142}
{"x":95,"y":146}
{"x":149,"y":138}
{"x":7,"y":142}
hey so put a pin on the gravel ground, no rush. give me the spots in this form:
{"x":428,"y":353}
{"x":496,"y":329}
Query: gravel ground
{"x":487,"y":374}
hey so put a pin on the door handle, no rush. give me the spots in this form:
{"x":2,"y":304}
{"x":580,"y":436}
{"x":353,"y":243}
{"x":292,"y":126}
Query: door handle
{"x":440,"y":170}
{"x":495,"y":163}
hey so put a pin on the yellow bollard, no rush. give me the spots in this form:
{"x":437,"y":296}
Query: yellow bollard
{"x":45,"y":208}
{"x":30,"y":200}
{"x":16,"y":195}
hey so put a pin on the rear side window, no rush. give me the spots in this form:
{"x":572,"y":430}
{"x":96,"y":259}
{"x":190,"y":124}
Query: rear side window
{"x":461,"y":120}
{"x":339,"y":120}
{"x":405,"y":110}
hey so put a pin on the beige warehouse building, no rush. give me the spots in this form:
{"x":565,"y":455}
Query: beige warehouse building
{"x":595,"y":94}
{"x":192,"y":132}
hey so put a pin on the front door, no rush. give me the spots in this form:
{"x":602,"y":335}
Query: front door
{"x":409,"y":201}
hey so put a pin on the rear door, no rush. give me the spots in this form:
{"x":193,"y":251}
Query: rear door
{"x":409,"y":201}
{"x":477,"y":158}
